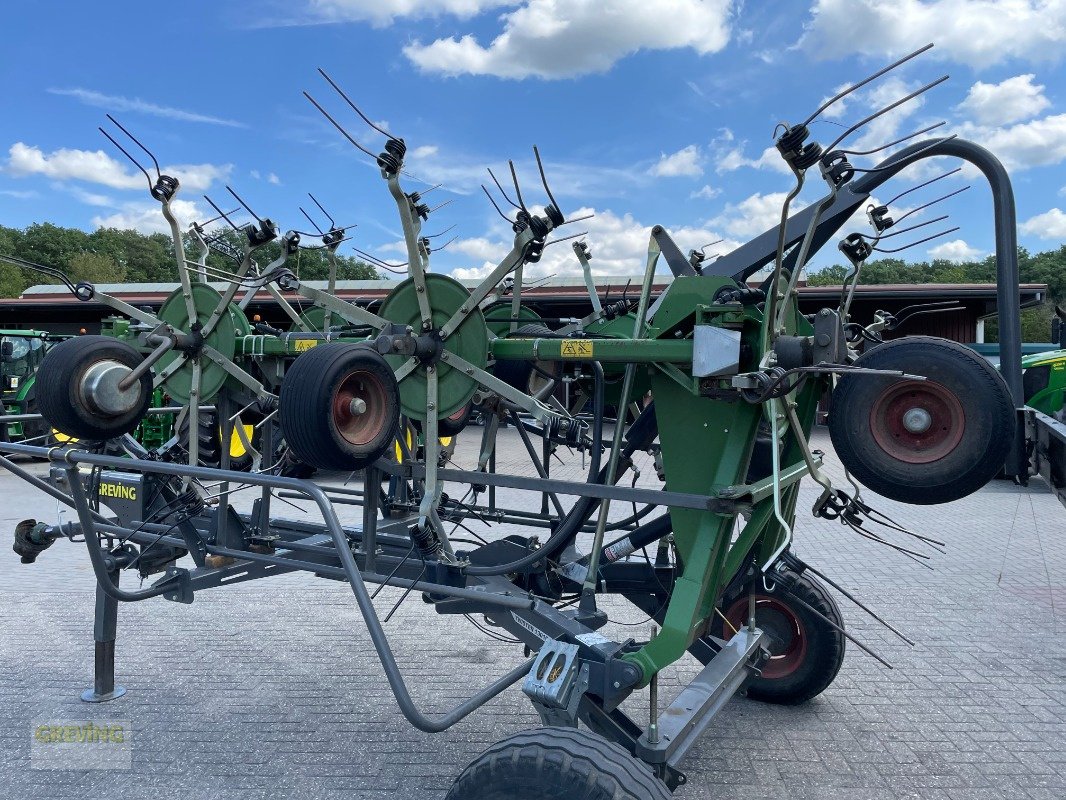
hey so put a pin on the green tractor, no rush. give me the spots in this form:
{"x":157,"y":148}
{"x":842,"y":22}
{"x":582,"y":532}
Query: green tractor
{"x":1044,"y":376}
{"x":21,"y":353}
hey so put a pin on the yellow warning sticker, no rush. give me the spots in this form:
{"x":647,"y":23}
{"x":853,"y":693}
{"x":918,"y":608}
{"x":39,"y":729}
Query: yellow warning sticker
{"x":575,"y":348}
{"x":305,"y":344}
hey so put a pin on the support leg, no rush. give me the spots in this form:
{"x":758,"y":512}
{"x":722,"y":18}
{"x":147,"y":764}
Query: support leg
{"x":105,"y":631}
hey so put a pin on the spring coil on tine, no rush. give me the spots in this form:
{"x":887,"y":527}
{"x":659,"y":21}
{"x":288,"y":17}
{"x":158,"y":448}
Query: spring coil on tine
{"x":426,"y":541}
{"x":392,"y":159}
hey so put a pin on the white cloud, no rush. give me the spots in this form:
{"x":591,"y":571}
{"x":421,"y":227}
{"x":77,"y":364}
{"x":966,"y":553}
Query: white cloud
{"x":619,"y":246}
{"x":976,"y":32}
{"x":1037,"y":143}
{"x":19,"y":194}
{"x":117,"y":103}
{"x":96,"y":166}
{"x":563,"y":38}
{"x":480,"y":248}
{"x":89,"y":198}
{"x":1049,"y":225}
{"x":956,"y":250}
{"x":147,"y":218}
{"x":274,"y":179}
{"x":1001,"y":103}
{"x":383,"y":12}
{"x":734,"y":159}
{"x":751,"y":216}
{"x":889,"y":126}
{"x":708,"y":192}
{"x":687,"y":161}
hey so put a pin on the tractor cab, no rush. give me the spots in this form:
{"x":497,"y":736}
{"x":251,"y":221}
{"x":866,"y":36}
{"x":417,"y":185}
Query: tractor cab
{"x":20,"y":355}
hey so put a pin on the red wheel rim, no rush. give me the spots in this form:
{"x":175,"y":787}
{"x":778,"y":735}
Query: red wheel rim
{"x":786,"y":633}
{"x":917,"y":422}
{"x":359,"y":405}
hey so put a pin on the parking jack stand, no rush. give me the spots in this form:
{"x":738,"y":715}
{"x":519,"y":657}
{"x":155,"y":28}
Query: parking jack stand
{"x":105,"y":630}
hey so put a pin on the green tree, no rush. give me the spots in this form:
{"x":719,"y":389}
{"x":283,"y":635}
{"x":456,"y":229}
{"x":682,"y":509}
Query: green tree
{"x":96,"y":268}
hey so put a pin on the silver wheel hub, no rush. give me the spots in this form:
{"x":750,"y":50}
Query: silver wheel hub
{"x":100,"y":392}
{"x":917,"y":420}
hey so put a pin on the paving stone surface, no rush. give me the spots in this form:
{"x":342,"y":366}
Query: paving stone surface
{"x":272,"y":689}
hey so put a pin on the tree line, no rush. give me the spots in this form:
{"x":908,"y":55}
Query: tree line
{"x":1048,"y":267}
{"x":109,"y":255}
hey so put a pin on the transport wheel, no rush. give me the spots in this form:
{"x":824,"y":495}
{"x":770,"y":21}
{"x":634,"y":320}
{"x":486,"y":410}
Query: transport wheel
{"x":805,"y":651}
{"x":557,"y":764}
{"x":36,"y":429}
{"x":340,"y":406}
{"x":209,"y":447}
{"x":77,"y":388}
{"x":923,"y":442}
{"x":451,"y":425}
{"x":517,"y":373}
{"x":454,"y":425}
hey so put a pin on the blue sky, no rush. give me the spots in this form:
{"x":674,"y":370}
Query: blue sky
{"x":646,"y":112}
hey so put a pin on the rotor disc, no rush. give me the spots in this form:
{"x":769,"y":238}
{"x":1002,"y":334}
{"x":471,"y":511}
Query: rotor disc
{"x":470,"y":341}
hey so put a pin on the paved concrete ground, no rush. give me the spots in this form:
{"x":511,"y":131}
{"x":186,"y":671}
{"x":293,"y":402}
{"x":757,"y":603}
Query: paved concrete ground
{"x":272,"y":689}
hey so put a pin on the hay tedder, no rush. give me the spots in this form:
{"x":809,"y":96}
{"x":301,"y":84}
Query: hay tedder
{"x":719,"y":379}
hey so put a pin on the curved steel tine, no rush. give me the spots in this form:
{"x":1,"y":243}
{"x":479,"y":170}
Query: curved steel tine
{"x":893,"y":144}
{"x":435,"y":235}
{"x":322,"y":209}
{"x":517,"y":189}
{"x":215,"y":218}
{"x":380,"y":262}
{"x":915,"y":244}
{"x":940,"y":199}
{"x":575,"y":219}
{"x":313,"y":223}
{"x":860,"y":84}
{"x":337,"y":125}
{"x":348,"y":100}
{"x":438,"y":249}
{"x":544,"y":180}
{"x":136,"y":163}
{"x":494,"y":205}
{"x":502,"y":191}
{"x":881,"y":236}
{"x":930,"y":146}
{"x":923,"y":185}
{"x":137,"y":142}
{"x":565,"y":238}
{"x":246,"y":208}
{"x":885,"y":110}
{"x":221,"y":213}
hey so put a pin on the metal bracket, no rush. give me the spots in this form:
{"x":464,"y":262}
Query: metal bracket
{"x":681,"y":725}
{"x":556,"y":683}
{"x":182,"y":591}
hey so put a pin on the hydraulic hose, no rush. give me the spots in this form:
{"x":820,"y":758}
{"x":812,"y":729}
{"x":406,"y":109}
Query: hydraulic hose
{"x":575,"y":520}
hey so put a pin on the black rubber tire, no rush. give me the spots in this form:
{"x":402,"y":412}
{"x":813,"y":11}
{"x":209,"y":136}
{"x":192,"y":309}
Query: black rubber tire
{"x":454,"y":425}
{"x":306,"y":413}
{"x":516,"y":373}
{"x":987,"y":431}
{"x":825,"y":646}
{"x":38,"y":428}
{"x":209,"y":443}
{"x":557,"y":764}
{"x":59,"y":377}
